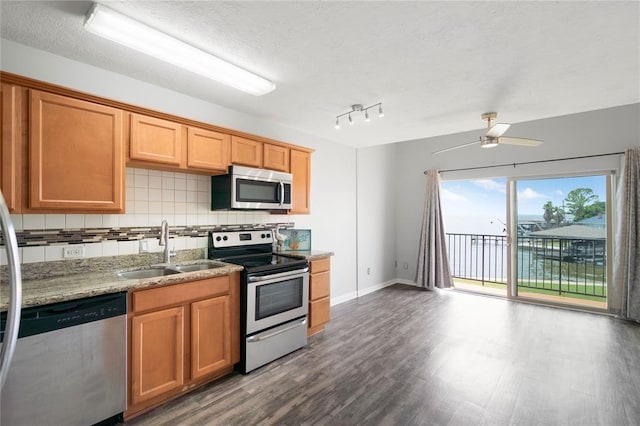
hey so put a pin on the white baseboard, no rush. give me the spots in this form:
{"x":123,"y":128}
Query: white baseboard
{"x":355,"y":294}
{"x":344,"y":298}
{"x":371,"y":289}
{"x":407,"y":282}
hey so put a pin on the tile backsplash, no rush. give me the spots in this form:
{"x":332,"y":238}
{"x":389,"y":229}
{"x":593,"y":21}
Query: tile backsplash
{"x":182,"y":199}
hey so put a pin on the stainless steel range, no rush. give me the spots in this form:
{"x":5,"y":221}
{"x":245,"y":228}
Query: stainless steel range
{"x":274,"y":294}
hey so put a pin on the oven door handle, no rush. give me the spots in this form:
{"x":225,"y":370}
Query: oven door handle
{"x":280,"y":275}
{"x":275,"y":333}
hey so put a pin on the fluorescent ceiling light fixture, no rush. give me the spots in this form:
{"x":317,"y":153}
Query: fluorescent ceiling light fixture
{"x":116,"y":27}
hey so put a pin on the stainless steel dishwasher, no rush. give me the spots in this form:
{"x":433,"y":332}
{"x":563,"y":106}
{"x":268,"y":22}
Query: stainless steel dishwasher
{"x":69,"y":365}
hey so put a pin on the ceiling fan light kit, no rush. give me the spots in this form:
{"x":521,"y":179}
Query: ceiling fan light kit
{"x":126,"y":31}
{"x":493,"y":137}
{"x":356,"y":108}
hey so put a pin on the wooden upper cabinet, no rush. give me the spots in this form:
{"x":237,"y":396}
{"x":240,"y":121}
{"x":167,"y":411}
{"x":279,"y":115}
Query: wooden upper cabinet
{"x":276,"y":157}
{"x":155,"y":140}
{"x":76,"y":158}
{"x":246,"y":152}
{"x":210,"y":336}
{"x":207,"y":149}
{"x":301,"y":171}
{"x":10,"y":145}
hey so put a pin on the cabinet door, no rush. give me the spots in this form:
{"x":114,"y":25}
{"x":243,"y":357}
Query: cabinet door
{"x":246,"y":152}
{"x":301,"y":171}
{"x":207,"y":150}
{"x":10,"y":146}
{"x":276,"y":157}
{"x":210,"y":336}
{"x":155,"y":140}
{"x":157,"y":353}
{"x":76,"y":155}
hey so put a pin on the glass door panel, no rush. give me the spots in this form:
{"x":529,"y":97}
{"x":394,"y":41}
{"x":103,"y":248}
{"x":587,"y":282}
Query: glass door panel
{"x":559,"y":229}
{"x":474,"y":213}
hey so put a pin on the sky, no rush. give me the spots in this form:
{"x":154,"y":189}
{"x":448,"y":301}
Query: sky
{"x":479,"y":206}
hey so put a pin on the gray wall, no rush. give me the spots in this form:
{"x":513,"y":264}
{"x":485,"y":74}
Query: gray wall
{"x":376,"y":217}
{"x":589,"y":133}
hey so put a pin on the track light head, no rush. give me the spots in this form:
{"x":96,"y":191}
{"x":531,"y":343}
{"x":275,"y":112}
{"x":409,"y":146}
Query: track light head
{"x":356,"y":108}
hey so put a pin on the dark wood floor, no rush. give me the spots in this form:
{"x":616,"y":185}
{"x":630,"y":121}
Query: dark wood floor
{"x":401,"y":356}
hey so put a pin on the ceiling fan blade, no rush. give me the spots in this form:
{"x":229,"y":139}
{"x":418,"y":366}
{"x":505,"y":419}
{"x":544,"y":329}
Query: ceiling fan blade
{"x":520,"y":141}
{"x":497,"y":130}
{"x":455,"y":147}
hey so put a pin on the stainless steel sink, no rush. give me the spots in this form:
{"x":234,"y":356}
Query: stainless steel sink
{"x":147,"y":273}
{"x":196,"y":266}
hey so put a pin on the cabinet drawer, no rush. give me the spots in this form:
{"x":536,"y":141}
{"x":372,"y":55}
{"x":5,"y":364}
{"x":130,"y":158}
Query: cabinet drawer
{"x":319,"y":265}
{"x":319,"y":312}
{"x":319,"y":285}
{"x":179,"y":293}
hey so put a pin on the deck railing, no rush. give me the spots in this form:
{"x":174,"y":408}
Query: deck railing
{"x":560,"y":266}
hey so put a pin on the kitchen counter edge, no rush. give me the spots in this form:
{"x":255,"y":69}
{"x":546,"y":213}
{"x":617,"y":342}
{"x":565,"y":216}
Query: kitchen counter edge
{"x":78,"y":286}
{"x":307,"y":254}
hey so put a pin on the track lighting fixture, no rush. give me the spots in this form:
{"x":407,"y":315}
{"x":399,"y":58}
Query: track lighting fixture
{"x":359,"y":108}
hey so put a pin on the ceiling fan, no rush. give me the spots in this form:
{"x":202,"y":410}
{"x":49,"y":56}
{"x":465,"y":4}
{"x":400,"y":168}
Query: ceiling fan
{"x":494,"y":137}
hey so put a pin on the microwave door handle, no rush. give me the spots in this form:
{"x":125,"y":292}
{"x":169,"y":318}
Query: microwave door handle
{"x":281,"y":193}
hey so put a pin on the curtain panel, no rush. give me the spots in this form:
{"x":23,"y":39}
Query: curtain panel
{"x":433,"y":263}
{"x":627,"y":243}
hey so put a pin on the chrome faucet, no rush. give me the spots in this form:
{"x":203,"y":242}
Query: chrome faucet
{"x":164,"y":241}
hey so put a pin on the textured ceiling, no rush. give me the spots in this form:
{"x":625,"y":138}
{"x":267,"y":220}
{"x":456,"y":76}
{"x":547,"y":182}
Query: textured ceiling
{"x":436,"y":66}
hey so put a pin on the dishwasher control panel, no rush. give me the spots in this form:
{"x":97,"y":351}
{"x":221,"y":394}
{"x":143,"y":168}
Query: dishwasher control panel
{"x":55,"y":316}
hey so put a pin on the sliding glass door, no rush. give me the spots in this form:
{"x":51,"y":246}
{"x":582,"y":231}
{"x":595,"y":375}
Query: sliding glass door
{"x":559,"y":230}
{"x":545,"y":239}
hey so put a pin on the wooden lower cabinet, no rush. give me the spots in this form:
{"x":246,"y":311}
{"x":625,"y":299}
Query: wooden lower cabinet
{"x":181,"y":336}
{"x":210,"y":336}
{"x":319,"y":295}
{"x":157,"y":351}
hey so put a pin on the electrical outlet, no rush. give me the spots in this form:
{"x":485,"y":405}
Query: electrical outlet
{"x":144,"y":246}
{"x":368,"y":271}
{"x":74,"y":251}
{"x":406,"y":265}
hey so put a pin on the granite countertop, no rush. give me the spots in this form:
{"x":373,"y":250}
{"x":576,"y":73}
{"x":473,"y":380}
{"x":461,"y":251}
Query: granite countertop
{"x":307,"y":254}
{"x":68,"y":287}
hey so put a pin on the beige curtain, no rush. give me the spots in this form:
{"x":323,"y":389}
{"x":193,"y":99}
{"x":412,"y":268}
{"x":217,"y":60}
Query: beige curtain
{"x":627,"y":251}
{"x":433,"y":264}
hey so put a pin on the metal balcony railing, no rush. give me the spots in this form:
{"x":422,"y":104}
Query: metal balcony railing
{"x":563,"y":266}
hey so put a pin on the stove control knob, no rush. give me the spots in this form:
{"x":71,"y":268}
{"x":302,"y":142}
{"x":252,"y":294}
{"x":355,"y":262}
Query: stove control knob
{"x":264,"y":235}
{"x":218,"y":238}
{"x":225,"y":238}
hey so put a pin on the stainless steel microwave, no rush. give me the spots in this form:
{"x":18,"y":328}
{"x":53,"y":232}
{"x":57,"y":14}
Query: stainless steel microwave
{"x":246,"y":188}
